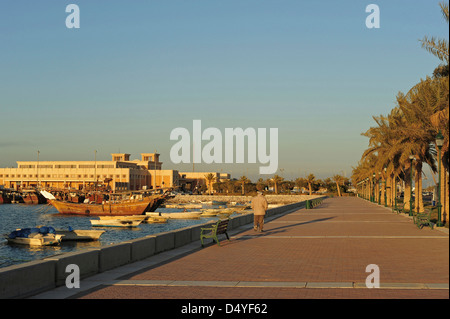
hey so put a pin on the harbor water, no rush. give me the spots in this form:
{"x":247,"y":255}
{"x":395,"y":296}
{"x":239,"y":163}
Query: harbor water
{"x":16,"y":216}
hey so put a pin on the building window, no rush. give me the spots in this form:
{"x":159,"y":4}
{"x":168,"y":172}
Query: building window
{"x":27,"y":166}
{"x":86,"y":166}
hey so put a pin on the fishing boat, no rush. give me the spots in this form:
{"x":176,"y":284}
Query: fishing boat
{"x":44,"y":236}
{"x":32,"y":196}
{"x":115,"y":223}
{"x":79,"y":234}
{"x":217,"y":211}
{"x":140,"y":218}
{"x":134,"y":205}
{"x":181,"y":215}
{"x":216,"y":202}
{"x":37,"y":240}
{"x":184,"y":206}
{"x":155,"y":220}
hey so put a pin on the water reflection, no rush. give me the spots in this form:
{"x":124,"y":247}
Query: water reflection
{"x":16,"y":216}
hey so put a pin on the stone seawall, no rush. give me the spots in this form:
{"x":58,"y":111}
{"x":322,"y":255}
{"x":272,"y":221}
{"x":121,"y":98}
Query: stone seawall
{"x":28,"y":279}
{"x":271,"y":199}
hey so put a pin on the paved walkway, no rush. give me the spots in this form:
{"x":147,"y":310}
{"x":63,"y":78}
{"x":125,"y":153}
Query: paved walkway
{"x":319,"y":253}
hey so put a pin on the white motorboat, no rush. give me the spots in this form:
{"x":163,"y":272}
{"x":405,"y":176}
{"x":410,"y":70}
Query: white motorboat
{"x":115,"y":222}
{"x":180,"y":215}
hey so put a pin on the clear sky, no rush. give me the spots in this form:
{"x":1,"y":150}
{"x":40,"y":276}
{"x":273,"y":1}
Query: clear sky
{"x":135,"y":70}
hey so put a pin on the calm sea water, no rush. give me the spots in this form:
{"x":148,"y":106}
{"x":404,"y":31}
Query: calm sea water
{"x":14,"y":216}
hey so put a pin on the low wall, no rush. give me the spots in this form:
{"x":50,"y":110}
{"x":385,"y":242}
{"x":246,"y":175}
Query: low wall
{"x":27,"y":279}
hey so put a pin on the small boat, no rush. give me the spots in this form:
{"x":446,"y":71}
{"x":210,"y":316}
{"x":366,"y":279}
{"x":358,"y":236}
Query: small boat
{"x":217,"y":211}
{"x":216,"y":202}
{"x":184,"y":206}
{"x":145,"y":219}
{"x":132,"y":217}
{"x":238,"y":206}
{"x":79,"y":234}
{"x":181,"y":215}
{"x":155,"y":220}
{"x":44,"y":236}
{"x":36,"y":240}
{"x":115,"y":222}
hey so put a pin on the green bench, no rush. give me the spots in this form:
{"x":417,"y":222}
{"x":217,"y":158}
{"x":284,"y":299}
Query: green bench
{"x":423,"y":219}
{"x":218,"y":228}
{"x":399,"y":209}
{"x":311,"y":203}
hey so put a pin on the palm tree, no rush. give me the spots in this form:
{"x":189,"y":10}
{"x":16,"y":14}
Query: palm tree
{"x":310,"y":180}
{"x":244,"y":180}
{"x":210,"y":178}
{"x":276,"y":180}
{"x":300,"y":182}
{"x":260,"y":184}
{"x":229,"y":186}
{"x":338,"y":179}
{"x":410,"y":128}
{"x":439,"y":47}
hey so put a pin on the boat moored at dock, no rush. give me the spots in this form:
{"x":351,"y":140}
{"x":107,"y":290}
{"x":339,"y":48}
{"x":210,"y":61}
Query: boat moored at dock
{"x":43,"y":236}
{"x":133,"y":205}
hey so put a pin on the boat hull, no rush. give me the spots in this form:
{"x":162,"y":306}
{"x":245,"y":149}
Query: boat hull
{"x":182,"y":215}
{"x":42,"y":241}
{"x":137,"y":207}
{"x":115,"y":223}
{"x":80,"y":234}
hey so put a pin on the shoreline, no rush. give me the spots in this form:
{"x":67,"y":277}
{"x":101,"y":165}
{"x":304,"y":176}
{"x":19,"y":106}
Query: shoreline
{"x":271,"y":199}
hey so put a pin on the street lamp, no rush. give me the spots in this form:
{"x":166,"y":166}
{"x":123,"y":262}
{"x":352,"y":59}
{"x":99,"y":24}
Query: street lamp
{"x":439,"y":143}
{"x":379,"y":189}
{"x":373,"y":188}
{"x":412,"y":158}
{"x":385,"y":188}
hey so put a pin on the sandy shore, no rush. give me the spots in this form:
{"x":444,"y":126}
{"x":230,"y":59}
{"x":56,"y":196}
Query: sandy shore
{"x":271,"y":199}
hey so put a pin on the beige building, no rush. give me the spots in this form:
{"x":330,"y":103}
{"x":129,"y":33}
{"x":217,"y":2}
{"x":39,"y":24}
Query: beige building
{"x":120,"y":174}
{"x":193,"y":180}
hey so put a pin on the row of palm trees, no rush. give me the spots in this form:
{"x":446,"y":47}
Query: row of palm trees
{"x":278,"y":183}
{"x":403,"y":141}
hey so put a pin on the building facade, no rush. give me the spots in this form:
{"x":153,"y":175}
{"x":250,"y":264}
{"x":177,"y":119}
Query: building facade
{"x":120,"y":174}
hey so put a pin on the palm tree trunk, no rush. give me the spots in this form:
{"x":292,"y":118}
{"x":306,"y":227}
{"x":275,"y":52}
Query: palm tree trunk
{"x":444,"y":192}
{"x":338,"y":189}
{"x":310,"y":189}
{"x":418,"y":191}
{"x":394,"y":189}
{"x":407,"y":191}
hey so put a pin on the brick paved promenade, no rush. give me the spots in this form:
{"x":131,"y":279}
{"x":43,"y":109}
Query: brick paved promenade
{"x":317,"y":253}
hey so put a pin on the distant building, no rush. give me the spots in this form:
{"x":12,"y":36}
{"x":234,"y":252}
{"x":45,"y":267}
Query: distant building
{"x":120,"y":174}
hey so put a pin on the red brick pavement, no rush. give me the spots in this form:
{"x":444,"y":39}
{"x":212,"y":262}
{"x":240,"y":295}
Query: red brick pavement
{"x":332,"y":243}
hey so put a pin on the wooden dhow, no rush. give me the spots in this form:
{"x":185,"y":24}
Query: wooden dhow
{"x":134,"y":206}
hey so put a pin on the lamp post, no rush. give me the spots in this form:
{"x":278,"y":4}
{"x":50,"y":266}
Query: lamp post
{"x":395,"y":192}
{"x":385,"y":188}
{"x":379,"y":189}
{"x":412,"y":158}
{"x":439,"y":143}
{"x":373,"y":189}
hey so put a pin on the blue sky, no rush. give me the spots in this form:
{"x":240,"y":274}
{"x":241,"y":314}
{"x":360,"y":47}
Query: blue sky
{"x":135,"y":70}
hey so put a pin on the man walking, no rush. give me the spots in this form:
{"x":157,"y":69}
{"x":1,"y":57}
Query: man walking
{"x":259,"y":206}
